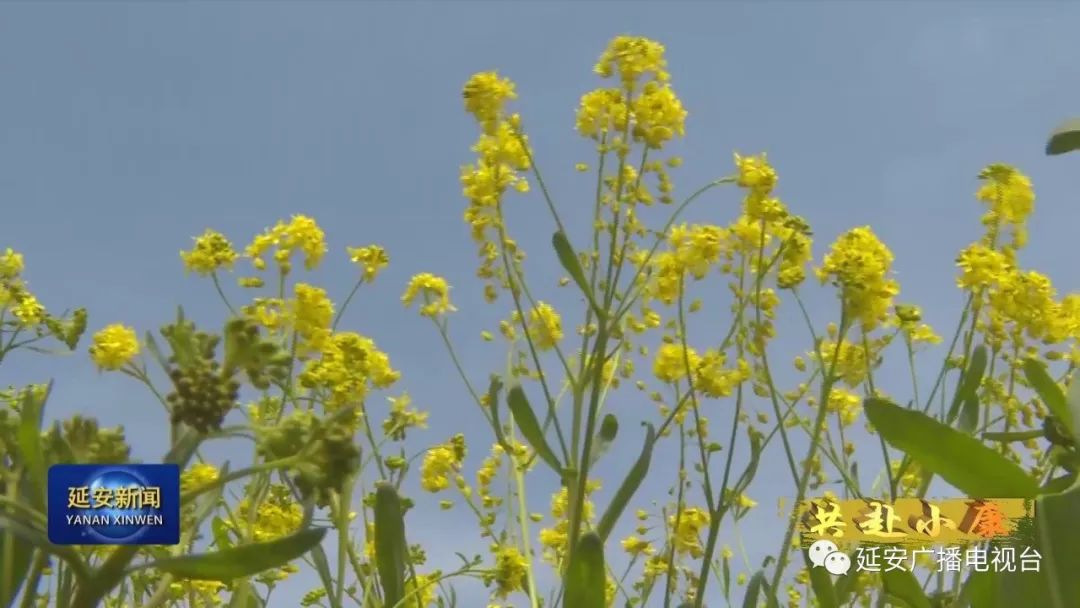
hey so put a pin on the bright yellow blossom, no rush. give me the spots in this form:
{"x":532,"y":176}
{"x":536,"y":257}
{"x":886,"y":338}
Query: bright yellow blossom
{"x":545,"y":326}
{"x":114,"y":346}
{"x":860,"y":265}
{"x":371,"y":258}
{"x":434,"y":291}
{"x":212,"y":252}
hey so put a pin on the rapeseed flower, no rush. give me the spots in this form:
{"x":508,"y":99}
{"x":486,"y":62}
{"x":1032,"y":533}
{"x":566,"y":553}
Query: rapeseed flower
{"x":114,"y":346}
{"x":434,"y":291}
{"x":212,"y":252}
{"x":859,"y":264}
{"x":372,"y":259}
{"x":545,"y":326}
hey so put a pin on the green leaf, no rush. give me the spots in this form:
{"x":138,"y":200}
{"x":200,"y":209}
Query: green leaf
{"x":1060,"y":546}
{"x":958,"y":458}
{"x":390,"y":549}
{"x":529,"y":427}
{"x":902,"y":585}
{"x":493,"y":404}
{"x":822,"y":584}
{"x":322,"y":567}
{"x":184,"y":448}
{"x":30,"y":417}
{"x":751,"y":467}
{"x":629,"y":486}
{"x":586,"y":577}
{"x":979,"y":591}
{"x":753,"y":589}
{"x":244,"y":595}
{"x":609,"y":429}
{"x":1065,"y":138}
{"x":1049,"y":392}
{"x":239,"y":562}
{"x":1073,"y":401}
{"x":965,"y":402}
{"x":220,"y":530}
{"x":1058,"y":485}
{"x":1011,"y":436}
{"x":572,"y":265}
{"x":845,"y":586}
{"x":15,"y":556}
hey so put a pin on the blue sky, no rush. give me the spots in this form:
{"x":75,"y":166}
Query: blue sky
{"x":126,"y":129}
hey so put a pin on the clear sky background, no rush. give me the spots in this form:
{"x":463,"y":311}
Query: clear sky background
{"x":126,"y":129}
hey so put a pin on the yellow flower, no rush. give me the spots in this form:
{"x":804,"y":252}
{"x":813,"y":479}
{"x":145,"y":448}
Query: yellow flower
{"x":845,"y":403}
{"x":670,"y":363}
{"x":270,"y":313}
{"x":659,"y":115}
{"x":300,"y":234}
{"x":633,"y":57}
{"x":511,"y":568}
{"x":1009,"y":197}
{"x":602,"y":111}
{"x":980,"y":267}
{"x":312,"y":313}
{"x":545,"y":326}
{"x":435,"y":292}
{"x":485,"y":95}
{"x":687,"y":527}
{"x":211,"y":253}
{"x":755,"y":173}
{"x":439,"y":462}
{"x":197,"y":476}
{"x":348,"y":365}
{"x":371,"y":258}
{"x":420,"y":591}
{"x":276,"y":516}
{"x":114,"y":346}
{"x":637,"y":546}
{"x":859,"y":264}
{"x":28,"y":310}
{"x":714,"y":379}
{"x":11,"y":264}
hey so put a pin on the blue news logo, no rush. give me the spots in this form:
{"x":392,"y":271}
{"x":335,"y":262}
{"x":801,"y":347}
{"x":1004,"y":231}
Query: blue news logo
{"x":133,"y":504}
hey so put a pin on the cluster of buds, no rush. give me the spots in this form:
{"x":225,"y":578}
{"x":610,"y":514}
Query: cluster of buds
{"x":81,"y":441}
{"x":203,"y":392}
{"x":328,"y":454}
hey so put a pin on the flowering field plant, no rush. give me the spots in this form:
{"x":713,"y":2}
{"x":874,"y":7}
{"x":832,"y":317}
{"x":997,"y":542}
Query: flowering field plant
{"x":334,"y":475}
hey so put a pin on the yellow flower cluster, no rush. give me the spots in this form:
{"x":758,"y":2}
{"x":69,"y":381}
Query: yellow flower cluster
{"x":402,"y":417}
{"x":26,"y":308}
{"x":644,"y":104}
{"x":434,"y":291}
{"x":686,"y":527}
{"x":1021,"y":304}
{"x":212,"y":252}
{"x":502,"y":157}
{"x":860,"y":264}
{"x":1010,"y":200}
{"x":197,"y":476}
{"x":440,"y":462}
{"x":372,"y":259}
{"x":545,"y":326}
{"x":300,"y":234}
{"x":114,"y":346}
{"x":555,"y":539}
{"x":276,"y":516}
{"x":710,"y":376}
{"x":511,"y":569}
{"x":350,"y":364}
{"x":311,"y":312}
